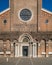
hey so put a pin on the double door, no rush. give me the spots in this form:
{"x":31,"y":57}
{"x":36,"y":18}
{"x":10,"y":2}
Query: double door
{"x":25,"y":50}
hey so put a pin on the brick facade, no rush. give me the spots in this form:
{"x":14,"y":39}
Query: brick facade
{"x":37,"y":30}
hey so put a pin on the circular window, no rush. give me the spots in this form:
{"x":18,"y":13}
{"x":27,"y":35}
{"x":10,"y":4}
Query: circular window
{"x":25,"y":14}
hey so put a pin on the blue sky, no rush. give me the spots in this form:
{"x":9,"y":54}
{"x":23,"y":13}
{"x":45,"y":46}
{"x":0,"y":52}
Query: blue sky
{"x":4,"y":4}
{"x":47,"y":4}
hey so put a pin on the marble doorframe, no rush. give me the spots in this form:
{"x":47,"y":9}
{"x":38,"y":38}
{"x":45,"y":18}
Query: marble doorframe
{"x":19,"y":48}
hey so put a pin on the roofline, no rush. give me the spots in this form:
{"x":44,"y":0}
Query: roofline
{"x":9,"y":9}
{"x":46,"y":11}
{"x":4,"y":11}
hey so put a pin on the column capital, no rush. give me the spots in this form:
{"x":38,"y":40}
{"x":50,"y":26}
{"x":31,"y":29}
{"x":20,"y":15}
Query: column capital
{"x":34,"y":44}
{"x":11,"y":44}
{"x":16,"y":44}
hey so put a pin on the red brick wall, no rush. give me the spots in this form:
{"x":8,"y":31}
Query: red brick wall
{"x":5,"y":27}
{"x":43,"y":17}
{"x":29,"y":26}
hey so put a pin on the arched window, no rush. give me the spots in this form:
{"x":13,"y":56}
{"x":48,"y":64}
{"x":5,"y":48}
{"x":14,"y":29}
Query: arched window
{"x":46,"y":21}
{"x":5,"y":21}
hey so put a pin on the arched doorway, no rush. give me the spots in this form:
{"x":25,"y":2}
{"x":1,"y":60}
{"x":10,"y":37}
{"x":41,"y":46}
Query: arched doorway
{"x":25,"y":40}
{"x":25,"y":46}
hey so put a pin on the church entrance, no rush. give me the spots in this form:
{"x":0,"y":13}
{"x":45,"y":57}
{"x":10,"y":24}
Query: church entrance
{"x":25,"y":47}
{"x":25,"y":50}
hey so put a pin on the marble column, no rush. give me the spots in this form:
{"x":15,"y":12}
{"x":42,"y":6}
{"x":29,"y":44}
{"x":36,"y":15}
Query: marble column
{"x":30,"y":50}
{"x":20,"y":50}
{"x":34,"y":50}
{"x":12,"y":49}
{"x":17,"y":50}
